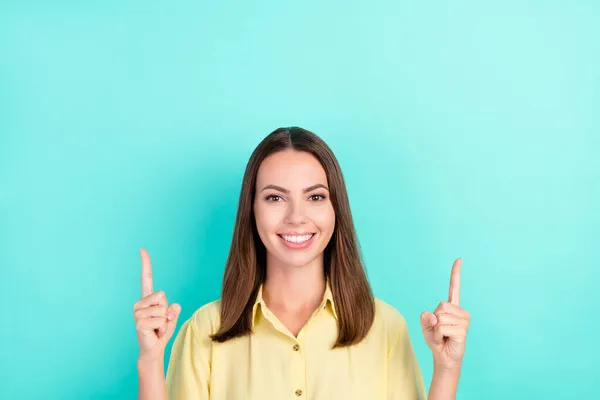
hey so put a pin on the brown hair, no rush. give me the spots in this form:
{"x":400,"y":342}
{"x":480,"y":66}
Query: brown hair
{"x":245,"y":269}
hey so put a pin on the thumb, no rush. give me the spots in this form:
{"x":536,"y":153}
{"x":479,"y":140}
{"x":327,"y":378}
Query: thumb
{"x":428,"y":324}
{"x":428,"y":321}
{"x":173,"y":312}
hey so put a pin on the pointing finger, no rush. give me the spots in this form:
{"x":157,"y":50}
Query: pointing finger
{"x":146,"y":273}
{"x":454,"y":291}
{"x":155,"y":298}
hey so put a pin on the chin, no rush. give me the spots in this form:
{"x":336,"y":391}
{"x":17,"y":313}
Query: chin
{"x":296,"y":263}
{"x":296,"y":258}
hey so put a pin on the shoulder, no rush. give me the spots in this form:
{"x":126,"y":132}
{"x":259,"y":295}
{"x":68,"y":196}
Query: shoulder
{"x":206,"y":319}
{"x":389,"y":318}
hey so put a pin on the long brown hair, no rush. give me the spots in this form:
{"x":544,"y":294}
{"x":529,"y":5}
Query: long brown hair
{"x":246,"y":266}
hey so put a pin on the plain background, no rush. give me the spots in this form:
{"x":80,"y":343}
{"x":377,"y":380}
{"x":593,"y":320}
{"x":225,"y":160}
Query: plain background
{"x":463,"y":128}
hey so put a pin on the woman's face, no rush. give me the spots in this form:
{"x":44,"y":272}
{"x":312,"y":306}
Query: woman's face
{"x":286,"y":214}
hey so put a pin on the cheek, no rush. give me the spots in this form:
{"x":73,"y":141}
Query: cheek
{"x":267,"y":221}
{"x":325,"y":219}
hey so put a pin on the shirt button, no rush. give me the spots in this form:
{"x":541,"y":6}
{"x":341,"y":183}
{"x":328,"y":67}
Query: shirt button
{"x":298,"y":392}
{"x":296,"y":347}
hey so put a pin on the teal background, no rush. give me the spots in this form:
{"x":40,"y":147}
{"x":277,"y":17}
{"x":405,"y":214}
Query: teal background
{"x":464,"y":128}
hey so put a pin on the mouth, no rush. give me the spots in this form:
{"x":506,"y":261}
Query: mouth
{"x":297,"y":241}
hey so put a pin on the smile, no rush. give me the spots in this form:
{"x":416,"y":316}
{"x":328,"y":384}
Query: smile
{"x":297,"y":241}
{"x":297,"y":238}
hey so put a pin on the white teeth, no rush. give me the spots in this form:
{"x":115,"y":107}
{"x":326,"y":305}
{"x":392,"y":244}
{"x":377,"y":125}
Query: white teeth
{"x":297,"y":239}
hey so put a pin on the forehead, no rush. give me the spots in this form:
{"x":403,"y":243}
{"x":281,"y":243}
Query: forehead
{"x":291,"y":169}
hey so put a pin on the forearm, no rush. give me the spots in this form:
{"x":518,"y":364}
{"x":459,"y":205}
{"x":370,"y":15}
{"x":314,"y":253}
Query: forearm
{"x":151,"y":377}
{"x":443,"y":384}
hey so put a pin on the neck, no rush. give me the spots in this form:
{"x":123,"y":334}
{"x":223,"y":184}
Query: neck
{"x":292,"y":288}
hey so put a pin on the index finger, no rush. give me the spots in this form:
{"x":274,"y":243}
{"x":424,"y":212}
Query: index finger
{"x":146,"y":273}
{"x":454,"y":291}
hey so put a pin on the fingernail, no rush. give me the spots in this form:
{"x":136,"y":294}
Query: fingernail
{"x":432,"y":320}
{"x":170,"y":315}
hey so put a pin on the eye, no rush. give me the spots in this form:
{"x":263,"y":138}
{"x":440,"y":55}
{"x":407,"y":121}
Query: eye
{"x":272,"y":195}
{"x":318,"y":195}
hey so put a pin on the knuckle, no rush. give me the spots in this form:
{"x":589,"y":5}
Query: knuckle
{"x":440,"y":307}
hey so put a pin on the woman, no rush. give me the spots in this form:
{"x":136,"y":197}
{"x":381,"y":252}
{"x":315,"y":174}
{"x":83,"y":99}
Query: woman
{"x":297,"y":318}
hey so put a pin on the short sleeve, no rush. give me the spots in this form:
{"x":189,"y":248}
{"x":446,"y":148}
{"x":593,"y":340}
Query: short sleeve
{"x":188,"y":372}
{"x":405,"y":381}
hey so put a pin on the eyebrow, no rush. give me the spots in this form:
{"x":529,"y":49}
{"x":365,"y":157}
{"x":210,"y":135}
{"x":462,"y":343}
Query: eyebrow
{"x":306,"y":190}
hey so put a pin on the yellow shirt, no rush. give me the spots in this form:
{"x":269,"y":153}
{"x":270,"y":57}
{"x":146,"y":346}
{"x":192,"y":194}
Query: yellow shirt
{"x":272,"y":364}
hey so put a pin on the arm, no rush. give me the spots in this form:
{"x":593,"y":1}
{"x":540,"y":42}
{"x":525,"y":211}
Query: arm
{"x":405,"y":380}
{"x":445,"y":332}
{"x":155,"y":322}
{"x":151,"y":377}
{"x":443,"y":384}
{"x":188,"y":372}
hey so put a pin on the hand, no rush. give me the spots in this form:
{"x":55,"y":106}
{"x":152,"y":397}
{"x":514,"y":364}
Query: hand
{"x":445,"y":329}
{"x":155,"y":320}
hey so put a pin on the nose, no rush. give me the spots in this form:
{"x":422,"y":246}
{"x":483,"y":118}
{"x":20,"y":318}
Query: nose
{"x":295,"y":214}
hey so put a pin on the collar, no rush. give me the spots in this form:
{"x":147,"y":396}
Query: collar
{"x":327,"y":299}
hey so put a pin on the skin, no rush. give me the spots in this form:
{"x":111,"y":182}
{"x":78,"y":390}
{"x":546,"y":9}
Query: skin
{"x":445,"y":332}
{"x":155,"y":322}
{"x":295,"y":282}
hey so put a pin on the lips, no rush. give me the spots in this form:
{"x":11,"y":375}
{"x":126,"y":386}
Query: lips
{"x":296,"y":246}
{"x":296,"y":233}
{"x":281,"y":235}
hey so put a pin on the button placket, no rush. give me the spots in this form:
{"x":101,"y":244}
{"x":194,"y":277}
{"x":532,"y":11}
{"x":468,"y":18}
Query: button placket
{"x":298,"y":370}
